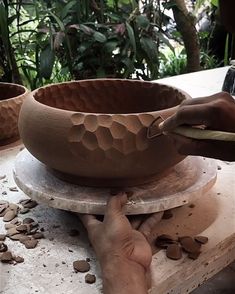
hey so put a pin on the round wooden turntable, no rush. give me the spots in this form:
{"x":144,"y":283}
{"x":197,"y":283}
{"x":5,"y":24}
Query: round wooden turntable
{"x":187,"y":181}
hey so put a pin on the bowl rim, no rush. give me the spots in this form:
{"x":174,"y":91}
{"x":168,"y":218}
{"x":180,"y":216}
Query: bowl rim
{"x":32,"y":93}
{"x":26,"y":91}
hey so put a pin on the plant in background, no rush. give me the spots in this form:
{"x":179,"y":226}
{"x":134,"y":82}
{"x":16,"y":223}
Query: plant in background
{"x":215,"y":41}
{"x":9,"y":71}
{"x":105,"y":39}
{"x":54,"y":41}
{"x":174,"y":63}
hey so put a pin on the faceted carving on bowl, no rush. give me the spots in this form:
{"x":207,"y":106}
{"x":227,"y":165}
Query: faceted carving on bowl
{"x":94,"y":132}
{"x":121,"y":133}
{"x":11,"y":99}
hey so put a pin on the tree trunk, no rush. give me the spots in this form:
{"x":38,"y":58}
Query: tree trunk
{"x":186,"y":27}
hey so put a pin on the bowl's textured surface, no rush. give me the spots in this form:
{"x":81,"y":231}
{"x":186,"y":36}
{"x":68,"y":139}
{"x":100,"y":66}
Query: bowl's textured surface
{"x":94,"y":132}
{"x":11,"y":99}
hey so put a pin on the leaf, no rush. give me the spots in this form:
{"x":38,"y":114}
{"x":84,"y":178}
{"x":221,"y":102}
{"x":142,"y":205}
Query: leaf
{"x":120,"y":29}
{"x":59,"y":22}
{"x":110,"y":46}
{"x":198,"y":5}
{"x":226,"y":51}
{"x":163,"y":57}
{"x":150,"y":48}
{"x":165,"y":41}
{"x":1,"y":71}
{"x":134,"y":4}
{"x":4,"y":26}
{"x":87,"y":30}
{"x":142,"y":21}
{"x":113,"y":16}
{"x":100,"y":73}
{"x":47,"y":58}
{"x":79,"y":66}
{"x":67,"y":7}
{"x":11,"y":19}
{"x":59,"y":37}
{"x":83,"y":47}
{"x":169,"y":5}
{"x":215,"y":3}
{"x":99,"y":37}
{"x":129,"y":66}
{"x":131,"y":36}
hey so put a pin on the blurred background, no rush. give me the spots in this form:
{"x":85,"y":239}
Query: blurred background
{"x":47,"y":41}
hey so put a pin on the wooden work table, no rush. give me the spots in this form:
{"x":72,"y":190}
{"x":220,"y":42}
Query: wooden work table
{"x":48,"y":268}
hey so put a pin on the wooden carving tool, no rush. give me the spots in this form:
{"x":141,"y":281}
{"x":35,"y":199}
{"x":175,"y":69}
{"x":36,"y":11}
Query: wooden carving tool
{"x":190,"y":132}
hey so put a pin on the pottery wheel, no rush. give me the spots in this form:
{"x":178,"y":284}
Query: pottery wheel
{"x":187,"y":181}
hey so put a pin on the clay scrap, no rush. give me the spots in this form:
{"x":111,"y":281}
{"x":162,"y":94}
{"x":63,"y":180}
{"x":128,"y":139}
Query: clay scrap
{"x":175,"y":246}
{"x":8,"y":257}
{"x":90,"y":279}
{"x":25,"y":231}
{"x":81,"y":266}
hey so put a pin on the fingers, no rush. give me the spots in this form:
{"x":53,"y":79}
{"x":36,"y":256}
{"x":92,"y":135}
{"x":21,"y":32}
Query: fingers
{"x":200,"y":111}
{"x":188,"y":114}
{"x":207,"y":99}
{"x":147,"y":226}
{"x":136,"y":220}
{"x":116,"y":203}
{"x":208,"y":148}
{"x":88,"y":220}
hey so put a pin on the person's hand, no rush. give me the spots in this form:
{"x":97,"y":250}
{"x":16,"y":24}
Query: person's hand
{"x":114,"y":237}
{"x":123,"y":252}
{"x":145,"y":223}
{"x":216,"y":112}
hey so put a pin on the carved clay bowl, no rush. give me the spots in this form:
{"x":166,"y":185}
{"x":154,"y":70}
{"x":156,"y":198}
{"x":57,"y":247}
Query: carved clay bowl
{"x":94,"y":132}
{"x":11,"y":100}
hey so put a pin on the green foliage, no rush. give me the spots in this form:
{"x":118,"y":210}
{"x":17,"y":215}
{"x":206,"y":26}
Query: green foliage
{"x":84,"y":39}
{"x":176,"y":63}
{"x":173,"y":64}
{"x":215,"y":3}
{"x":54,"y":41}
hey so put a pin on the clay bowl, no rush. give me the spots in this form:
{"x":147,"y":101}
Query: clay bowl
{"x":11,"y":100}
{"x":94,"y":132}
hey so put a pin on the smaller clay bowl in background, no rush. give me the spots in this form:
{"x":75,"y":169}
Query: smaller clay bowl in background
{"x":11,"y":100}
{"x":94,"y":132}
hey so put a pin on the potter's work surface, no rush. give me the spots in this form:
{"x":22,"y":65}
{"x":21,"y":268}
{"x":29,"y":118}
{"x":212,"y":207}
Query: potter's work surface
{"x":187,"y":181}
{"x":48,"y":269}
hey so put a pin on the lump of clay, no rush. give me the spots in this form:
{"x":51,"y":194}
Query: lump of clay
{"x":81,"y":266}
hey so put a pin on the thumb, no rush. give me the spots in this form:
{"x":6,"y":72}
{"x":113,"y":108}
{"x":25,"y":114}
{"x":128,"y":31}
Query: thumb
{"x":116,"y":203}
{"x":151,"y":222}
{"x":168,"y":124}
